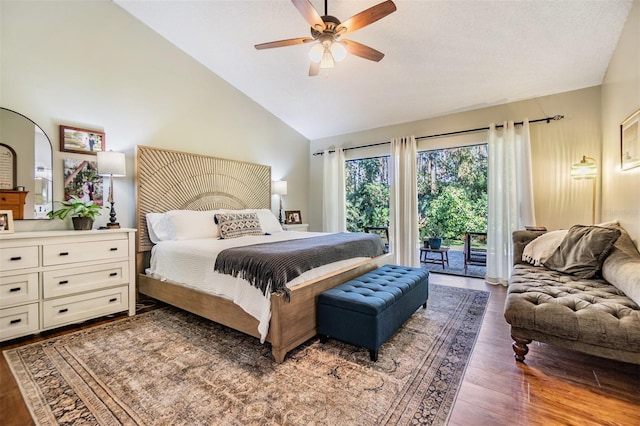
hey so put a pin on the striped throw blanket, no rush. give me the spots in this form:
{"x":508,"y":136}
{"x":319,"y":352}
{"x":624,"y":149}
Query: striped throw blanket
{"x":271,"y":266}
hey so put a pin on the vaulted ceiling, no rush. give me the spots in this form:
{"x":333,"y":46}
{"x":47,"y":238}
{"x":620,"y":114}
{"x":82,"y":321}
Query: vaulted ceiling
{"x":440,"y":56}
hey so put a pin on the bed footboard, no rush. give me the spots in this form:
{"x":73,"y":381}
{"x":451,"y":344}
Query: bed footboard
{"x":292,"y":323}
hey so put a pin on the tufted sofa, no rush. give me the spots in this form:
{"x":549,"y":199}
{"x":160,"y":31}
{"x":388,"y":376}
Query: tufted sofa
{"x":591,"y":315}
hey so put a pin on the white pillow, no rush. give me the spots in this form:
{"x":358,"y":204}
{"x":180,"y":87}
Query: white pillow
{"x":268,"y":221}
{"x":158,"y":227}
{"x":192,"y":224}
{"x":540,"y":249}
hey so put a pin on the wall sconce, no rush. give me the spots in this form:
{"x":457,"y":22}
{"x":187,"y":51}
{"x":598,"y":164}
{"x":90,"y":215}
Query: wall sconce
{"x":279,"y":188}
{"x":587,"y":169}
{"x":111,"y":164}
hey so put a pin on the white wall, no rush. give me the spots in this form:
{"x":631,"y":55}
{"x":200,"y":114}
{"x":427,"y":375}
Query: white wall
{"x":560,"y":202}
{"x":92,"y":65}
{"x":621,"y":98}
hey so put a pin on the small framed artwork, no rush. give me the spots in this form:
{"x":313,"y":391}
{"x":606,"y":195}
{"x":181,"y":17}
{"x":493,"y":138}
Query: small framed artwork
{"x":82,"y":180}
{"x":6,"y":222}
{"x":81,"y":141}
{"x":630,"y":141}
{"x":292,"y":217}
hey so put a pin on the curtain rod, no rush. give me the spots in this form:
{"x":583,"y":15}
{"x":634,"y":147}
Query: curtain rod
{"x":458,"y":132}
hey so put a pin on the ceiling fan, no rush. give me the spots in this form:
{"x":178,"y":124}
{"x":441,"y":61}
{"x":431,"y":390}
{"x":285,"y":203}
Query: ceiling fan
{"x":326,"y":32}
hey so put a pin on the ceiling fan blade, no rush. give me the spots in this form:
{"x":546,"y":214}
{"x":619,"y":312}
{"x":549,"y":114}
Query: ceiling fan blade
{"x":366,"y":17}
{"x":309,"y":13}
{"x":363,"y":51}
{"x":314,"y":68}
{"x":283,"y":43}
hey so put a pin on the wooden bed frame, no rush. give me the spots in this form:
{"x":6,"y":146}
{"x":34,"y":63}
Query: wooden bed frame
{"x":171,"y":180}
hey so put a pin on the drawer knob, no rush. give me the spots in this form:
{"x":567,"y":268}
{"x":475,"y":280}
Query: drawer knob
{"x":13,"y":290}
{"x":113,"y":274}
{"x":64,"y":253}
{"x":115,"y":299}
{"x":62,"y":311}
{"x":15,"y":321}
{"x":63,"y":282}
{"x":16,"y":258}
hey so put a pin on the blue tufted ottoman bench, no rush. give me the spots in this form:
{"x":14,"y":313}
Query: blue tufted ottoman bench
{"x":368,"y":310}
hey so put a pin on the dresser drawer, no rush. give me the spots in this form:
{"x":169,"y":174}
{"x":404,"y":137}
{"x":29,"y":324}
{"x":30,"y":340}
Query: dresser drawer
{"x":18,"y":321}
{"x":63,"y":282}
{"x":66,"y":310}
{"x":60,"y":254}
{"x":7,"y":198}
{"x":14,"y":258}
{"x":17,"y":289}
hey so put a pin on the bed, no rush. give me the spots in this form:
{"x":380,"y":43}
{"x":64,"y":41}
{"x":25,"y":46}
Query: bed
{"x":171,"y":180}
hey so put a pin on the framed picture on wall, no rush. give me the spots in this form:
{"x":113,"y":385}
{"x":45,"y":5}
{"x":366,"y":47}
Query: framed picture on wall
{"x":6,"y":222}
{"x":630,"y":142}
{"x":292,"y":217}
{"x":82,"y":180}
{"x":81,"y":141}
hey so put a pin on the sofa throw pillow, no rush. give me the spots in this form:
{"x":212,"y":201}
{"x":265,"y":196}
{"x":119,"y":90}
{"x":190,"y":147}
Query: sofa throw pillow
{"x":583,"y":250}
{"x":234,"y":225}
{"x":541,"y":248}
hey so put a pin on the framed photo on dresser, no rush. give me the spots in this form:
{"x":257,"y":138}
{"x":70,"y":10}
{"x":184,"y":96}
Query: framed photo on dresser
{"x":6,"y":222}
{"x":292,"y":217}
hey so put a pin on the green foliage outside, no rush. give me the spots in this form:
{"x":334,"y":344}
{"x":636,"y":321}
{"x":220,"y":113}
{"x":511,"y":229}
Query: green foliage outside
{"x":452,"y":192}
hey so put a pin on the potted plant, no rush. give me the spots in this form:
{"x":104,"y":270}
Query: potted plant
{"x":82,"y":213}
{"x":432,"y":233}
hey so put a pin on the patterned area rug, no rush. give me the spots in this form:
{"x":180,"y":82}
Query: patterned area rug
{"x":168,"y":367}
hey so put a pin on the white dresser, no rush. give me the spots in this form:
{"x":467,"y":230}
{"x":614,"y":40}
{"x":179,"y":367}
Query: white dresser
{"x":53,"y":278}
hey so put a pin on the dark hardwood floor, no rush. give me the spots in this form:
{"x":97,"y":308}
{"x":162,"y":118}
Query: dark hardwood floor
{"x":555,"y":386}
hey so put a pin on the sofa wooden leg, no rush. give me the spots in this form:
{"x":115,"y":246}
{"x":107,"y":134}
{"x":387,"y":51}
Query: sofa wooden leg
{"x":520,"y":347}
{"x":373,"y":354}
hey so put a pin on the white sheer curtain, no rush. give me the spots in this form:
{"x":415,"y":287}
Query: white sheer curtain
{"x":334,"y":215}
{"x":510,"y":195}
{"x":403,"y":232}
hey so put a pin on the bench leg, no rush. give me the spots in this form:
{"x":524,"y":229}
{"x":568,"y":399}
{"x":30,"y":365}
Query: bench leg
{"x":520,"y":347}
{"x":373,"y":354}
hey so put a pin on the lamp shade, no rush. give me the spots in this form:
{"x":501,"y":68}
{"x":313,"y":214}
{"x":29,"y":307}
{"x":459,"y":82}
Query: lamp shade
{"x":585,"y":169}
{"x":111,"y":163}
{"x":279,"y":187}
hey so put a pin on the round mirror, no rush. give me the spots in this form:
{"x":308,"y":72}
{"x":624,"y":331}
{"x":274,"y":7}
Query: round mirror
{"x":26,"y":171}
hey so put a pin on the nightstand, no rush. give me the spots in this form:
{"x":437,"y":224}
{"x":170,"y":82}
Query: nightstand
{"x":300,"y":227}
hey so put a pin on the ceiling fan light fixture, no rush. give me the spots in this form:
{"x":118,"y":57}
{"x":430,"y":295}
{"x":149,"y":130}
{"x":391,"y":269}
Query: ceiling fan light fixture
{"x":327,"y":60}
{"x":316,"y":52}
{"x":338,"y":51}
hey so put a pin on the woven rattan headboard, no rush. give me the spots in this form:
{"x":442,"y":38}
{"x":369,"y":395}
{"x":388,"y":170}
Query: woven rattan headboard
{"x":173,"y":180}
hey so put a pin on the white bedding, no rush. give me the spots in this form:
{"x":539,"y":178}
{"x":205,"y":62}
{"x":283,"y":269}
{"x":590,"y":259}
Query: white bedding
{"x":191,"y":262}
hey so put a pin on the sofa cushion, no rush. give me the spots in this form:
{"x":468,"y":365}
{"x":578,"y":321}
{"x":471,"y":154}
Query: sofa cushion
{"x":583,"y":250}
{"x":622,"y":267}
{"x":587,"y":310}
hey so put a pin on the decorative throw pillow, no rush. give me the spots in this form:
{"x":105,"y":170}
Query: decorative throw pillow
{"x":541,"y":248}
{"x":583,"y":250}
{"x":234,"y":225}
